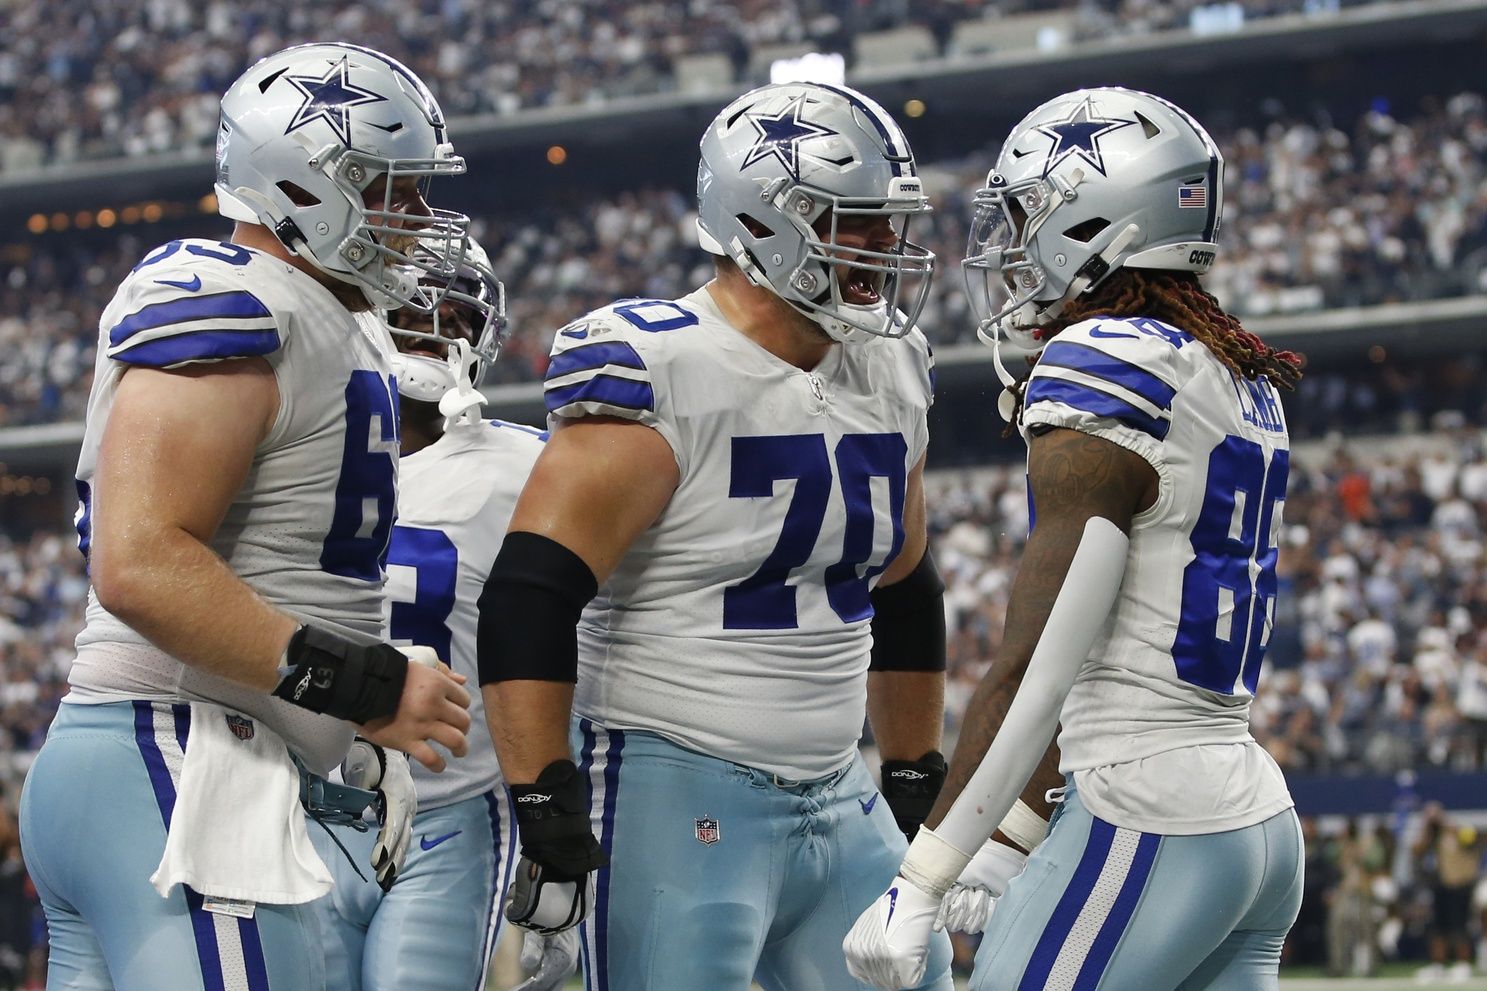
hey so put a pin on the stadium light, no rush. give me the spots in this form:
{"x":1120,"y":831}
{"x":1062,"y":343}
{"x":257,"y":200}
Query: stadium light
{"x":37,"y":223}
{"x":812,"y":67}
{"x":914,"y":108}
{"x":557,"y":155}
{"x":107,"y":217}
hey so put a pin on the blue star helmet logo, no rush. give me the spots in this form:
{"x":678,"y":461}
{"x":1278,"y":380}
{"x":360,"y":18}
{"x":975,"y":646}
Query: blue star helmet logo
{"x":780,"y":135}
{"x":330,"y":98}
{"x":1080,"y":135}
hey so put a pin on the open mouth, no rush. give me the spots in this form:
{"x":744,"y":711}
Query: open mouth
{"x":863,"y":288}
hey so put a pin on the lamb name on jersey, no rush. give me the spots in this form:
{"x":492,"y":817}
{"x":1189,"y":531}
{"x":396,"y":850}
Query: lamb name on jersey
{"x":308,"y":531}
{"x":1166,"y":691}
{"x":454,"y":504}
{"x":738,"y":624}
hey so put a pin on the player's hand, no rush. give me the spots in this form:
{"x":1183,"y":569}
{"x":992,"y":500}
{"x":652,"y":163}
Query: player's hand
{"x":554,"y":884}
{"x":910,"y":788}
{"x":888,"y":945}
{"x":552,"y":958}
{"x":969,"y":902}
{"x":434,"y":707}
{"x":373,"y":768}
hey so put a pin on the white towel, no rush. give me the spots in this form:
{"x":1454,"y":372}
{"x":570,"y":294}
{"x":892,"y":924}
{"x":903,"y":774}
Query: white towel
{"x":237,"y":830}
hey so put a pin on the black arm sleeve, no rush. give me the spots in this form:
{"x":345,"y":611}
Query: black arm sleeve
{"x":529,"y":609}
{"x":909,"y":621}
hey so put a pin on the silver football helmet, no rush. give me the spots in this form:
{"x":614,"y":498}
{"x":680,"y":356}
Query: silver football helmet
{"x":788,"y":171}
{"x":1091,"y":181}
{"x":473,"y":310}
{"x":306,"y":131}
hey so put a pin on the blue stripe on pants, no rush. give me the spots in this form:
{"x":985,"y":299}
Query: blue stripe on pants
{"x":606,"y":839}
{"x":1096,"y":851}
{"x":585,"y":765}
{"x":1105,"y":943}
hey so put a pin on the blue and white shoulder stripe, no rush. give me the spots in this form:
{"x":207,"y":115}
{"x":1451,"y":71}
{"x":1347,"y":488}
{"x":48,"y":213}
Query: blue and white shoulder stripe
{"x":1113,"y":370}
{"x":605,"y":377}
{"x":173,"y":314}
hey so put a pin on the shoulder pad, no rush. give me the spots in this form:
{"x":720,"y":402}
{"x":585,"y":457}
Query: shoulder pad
{"x":189,"y":301}
{"x":599,"y":363}
{"x":1122,"y":370}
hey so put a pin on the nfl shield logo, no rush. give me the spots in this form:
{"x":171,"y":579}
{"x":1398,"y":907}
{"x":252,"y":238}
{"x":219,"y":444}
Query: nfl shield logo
{"x":708,"y":832}
{"x":241,"y":728}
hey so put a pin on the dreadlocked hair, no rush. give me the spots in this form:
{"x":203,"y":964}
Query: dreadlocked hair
{"x":1177,"y":298}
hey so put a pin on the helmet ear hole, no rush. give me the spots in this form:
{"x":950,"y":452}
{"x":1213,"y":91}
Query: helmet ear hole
{"x":1086,"y":231}
{"x":298,"y":195}
{"x":754,"y":226}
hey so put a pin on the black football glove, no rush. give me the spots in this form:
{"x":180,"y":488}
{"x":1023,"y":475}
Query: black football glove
{"x":910,"y":788}
{"x":554,"y":884}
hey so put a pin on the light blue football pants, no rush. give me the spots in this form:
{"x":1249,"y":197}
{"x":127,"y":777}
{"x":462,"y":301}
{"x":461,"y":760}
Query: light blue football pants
{"x":720,"y":875}
{"x":435,"y":930}
{"x":93,"y":818}
{"x":1101,"y":908}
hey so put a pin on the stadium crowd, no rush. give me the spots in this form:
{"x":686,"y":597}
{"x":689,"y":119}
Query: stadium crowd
{"x":1392,"y":209}
{"x":149,"y":75}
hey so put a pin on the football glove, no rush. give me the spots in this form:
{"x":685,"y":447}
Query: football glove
{"x":888,"y":945}
{"x":910,"y":788}
{"x":554,"y":884}
{"x":969,"y":902}
{"x":552,"y":958}
{"x":385,"y":772}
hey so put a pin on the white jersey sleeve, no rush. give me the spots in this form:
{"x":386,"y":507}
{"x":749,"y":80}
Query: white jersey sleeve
{"x":1156,"y":727}
{"x":598,"y":367}
{"x":1111,"y":380}
{"x":455,"y":500}
{"x":191,"y":301}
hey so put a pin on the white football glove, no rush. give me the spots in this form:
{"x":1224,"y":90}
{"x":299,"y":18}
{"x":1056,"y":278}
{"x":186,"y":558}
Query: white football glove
{"x":386,"y":772}
{"x":888,"y":945}
{"x":551,"y":957}
{"x":969,"y":902}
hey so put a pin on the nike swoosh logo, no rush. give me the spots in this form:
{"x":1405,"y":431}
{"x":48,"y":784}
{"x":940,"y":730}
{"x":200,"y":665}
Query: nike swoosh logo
{"x":576,"y":334}
{"x":892,"y":903}
{"x":429,"y":844}
{"x":867,"y":806}
{"x":1097,"y":332}
{"x":190,"y":286}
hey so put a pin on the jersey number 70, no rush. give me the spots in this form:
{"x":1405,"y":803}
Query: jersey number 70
{"x":764,"y":600}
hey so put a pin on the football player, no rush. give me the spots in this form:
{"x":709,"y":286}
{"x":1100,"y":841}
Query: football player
{"x":237,"y":486}
{"x":1157,"y":462}
{"x":740,"y":469}
{"x":459,"y":479}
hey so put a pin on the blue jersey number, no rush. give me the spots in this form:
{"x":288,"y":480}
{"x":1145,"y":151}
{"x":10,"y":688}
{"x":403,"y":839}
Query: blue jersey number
{"x":764,"y":600}
{"x":1228,"y":590}
{"x":356,"y":546}
{"x":223,"y":251}
{"x":435,"y":563}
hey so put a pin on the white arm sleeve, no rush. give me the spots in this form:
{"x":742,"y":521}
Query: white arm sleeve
{"x":1083,"y":604}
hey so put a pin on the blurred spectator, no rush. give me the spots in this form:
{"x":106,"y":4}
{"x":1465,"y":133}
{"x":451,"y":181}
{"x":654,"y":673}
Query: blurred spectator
{"x":1450,"y":857}
{"x":82,"y":79}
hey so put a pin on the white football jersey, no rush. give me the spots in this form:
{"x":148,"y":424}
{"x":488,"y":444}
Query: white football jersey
{"x":1156,"y":727}
{"x":455,"y":499}
{"x":738,"y":624}
{"x":308,"y":531}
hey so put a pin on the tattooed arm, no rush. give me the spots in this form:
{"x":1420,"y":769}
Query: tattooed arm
{"x":1073,"y":477}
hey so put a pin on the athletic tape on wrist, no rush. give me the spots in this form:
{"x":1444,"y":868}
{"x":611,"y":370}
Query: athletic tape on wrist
{"x":1024,"y":827}
{"x":932,"y":865}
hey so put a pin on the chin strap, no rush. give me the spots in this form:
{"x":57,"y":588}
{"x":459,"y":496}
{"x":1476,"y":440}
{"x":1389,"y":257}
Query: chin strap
{"x":463,"y":401}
